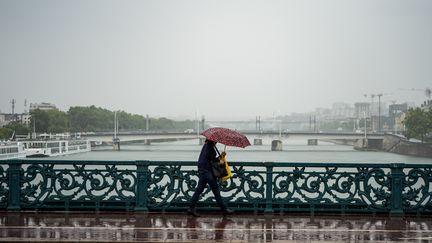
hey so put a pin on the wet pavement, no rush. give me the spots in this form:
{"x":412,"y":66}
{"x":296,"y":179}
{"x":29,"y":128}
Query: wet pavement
{"x":178,"y":227}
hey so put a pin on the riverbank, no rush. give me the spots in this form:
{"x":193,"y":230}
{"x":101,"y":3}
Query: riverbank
{"x":395,"y":144}
{"x":400,"y":145}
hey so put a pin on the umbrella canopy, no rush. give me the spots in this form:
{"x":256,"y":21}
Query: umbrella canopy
{"x":226,"y":136}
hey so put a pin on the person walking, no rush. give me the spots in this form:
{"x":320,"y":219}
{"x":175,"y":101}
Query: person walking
{"x":206,"y":176}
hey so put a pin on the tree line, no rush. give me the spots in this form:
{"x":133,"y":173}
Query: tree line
{"x":418,"y":122}
{"x":90,"y":119}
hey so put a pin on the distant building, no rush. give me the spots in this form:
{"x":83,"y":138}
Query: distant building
{"x":322,"y":112}
{"x":25,"y":119}
{"x":42,"y":106}
{"x":8,"y":118}
{"x":361,"y":109}
{"x":342,"y":110}
{"x":399,"y":125}
{"x":397,"y":115}
{"x":426,"y":105}
{"x":397,"y":109}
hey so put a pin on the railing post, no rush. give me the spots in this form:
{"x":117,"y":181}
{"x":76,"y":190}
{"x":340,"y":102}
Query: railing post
{"x":269,"y":187}
{"x":397,"y":183}
{"x":14,"y":180}
{"x":141,"y":187}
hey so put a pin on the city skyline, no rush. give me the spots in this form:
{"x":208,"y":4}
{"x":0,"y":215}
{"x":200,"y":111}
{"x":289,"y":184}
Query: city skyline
{"x":339,"y":108}
{"x":213,"y":59}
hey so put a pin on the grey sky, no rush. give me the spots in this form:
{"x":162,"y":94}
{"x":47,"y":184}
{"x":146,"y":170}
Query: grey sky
{"x":220,"y":58}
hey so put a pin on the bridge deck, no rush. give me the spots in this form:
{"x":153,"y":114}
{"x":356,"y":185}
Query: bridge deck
{"x":130,"y":137}
{"x":178,"y":227}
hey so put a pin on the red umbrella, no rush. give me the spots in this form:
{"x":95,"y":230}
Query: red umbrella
{"x":226,"y":136}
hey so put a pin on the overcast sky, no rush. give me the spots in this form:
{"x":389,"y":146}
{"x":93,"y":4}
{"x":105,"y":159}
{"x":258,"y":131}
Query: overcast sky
{"x":217,"y":58}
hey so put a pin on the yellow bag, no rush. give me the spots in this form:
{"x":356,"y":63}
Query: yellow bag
{"x":227,"y":169}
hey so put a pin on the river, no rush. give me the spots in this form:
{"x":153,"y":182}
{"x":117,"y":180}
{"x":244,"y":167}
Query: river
{"x":293,"y":151}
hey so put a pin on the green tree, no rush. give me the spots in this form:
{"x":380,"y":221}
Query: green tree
{"x":161,"y":124}
{"x":18,"y":128}
{"x":418,"y":123}
{"x":51,"y":121}
{"x":39,"y":120}
{"x":90,"y":119}
{"x":129,"y":121}
{"x":94,"y":119}
{"x":58,"y":121}
{"x":5,"y":133}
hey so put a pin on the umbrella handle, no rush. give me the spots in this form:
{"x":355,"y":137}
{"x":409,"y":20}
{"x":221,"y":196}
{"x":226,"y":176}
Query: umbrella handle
{"x":217,"y":150}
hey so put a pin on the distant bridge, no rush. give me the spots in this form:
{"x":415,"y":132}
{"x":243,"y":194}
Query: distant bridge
{"x":105,"y":138}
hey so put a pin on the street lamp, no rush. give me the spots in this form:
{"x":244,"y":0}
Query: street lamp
{"x":365,"y":124}
{"x":372,"y":112}
{"x":379,"y":112}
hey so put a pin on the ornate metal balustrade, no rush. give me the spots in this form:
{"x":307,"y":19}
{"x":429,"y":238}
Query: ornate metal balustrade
{"x":255,"y":186}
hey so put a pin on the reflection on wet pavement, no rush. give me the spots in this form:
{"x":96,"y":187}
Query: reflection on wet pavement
{"x":177,"y":227}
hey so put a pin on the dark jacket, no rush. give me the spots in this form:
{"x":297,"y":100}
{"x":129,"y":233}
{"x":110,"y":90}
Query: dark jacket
{"x":207,"y":155}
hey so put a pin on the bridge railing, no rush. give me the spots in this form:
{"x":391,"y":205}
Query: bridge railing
{"x":255,"y":186}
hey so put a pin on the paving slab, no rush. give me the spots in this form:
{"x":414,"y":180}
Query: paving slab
{"x":46,"y":226}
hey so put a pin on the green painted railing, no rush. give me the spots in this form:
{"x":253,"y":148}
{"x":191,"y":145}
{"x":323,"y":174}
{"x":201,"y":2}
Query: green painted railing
{"x":255,"y":186}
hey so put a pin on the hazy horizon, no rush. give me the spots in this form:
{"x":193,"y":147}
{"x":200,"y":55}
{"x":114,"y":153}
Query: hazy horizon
{"x":214,"y":59}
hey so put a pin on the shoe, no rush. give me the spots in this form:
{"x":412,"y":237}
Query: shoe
{"x":228,"y":211}
{"x":192,"y":212}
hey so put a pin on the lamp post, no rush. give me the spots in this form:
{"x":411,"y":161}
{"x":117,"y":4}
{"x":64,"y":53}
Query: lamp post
{"x":372,"y":112}
{"x":365,"y":125}
{"x":197,"y":123}
{"x":116,"y":140}
{"x":379,"y":112}
{"x":280,"y":129}
{"x":115,"y":125}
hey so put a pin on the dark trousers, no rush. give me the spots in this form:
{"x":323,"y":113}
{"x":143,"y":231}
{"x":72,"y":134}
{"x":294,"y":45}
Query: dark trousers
{"x":206,"y":177}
